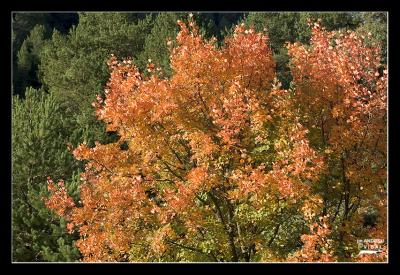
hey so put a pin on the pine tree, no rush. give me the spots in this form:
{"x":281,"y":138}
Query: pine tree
{"x":28,"y":60}
{"x":27,"y":41}
{"x":155,"y":47}
{"x":24,"y":22}
{"x":74,"y":68}
{"x":38,"y":150}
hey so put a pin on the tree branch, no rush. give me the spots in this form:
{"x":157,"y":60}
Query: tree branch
{"x":228,"y":230}
{"x":191,"y":249}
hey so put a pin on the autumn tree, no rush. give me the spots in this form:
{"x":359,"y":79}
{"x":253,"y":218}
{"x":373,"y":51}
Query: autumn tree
{"x":212,"y":163}
{"x":341,"y":91}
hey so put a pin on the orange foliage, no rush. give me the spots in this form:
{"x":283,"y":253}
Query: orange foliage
{"x":317,"y":246}
{"x":191,"y":140}
{"x":341,"y":90}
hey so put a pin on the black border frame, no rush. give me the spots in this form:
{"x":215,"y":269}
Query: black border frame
{"x":213,"y":6}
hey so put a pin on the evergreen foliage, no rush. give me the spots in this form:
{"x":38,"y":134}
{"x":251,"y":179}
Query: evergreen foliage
{"x":39,"y":149}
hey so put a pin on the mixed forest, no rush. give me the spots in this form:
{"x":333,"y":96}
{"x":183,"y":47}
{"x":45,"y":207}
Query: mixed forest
{"x":199,"y":137}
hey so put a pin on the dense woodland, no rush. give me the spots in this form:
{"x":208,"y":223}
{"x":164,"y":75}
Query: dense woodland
{"x":198,"y":137}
